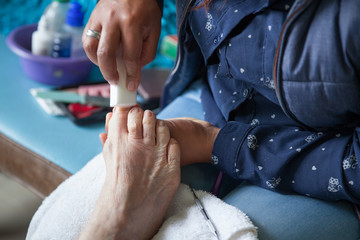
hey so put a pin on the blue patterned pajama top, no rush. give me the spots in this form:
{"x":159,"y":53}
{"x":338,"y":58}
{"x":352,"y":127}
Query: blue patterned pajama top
{"x":257,"y":141}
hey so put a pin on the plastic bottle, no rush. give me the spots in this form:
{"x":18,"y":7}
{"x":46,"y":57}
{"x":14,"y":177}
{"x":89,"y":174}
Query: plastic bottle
{"x":119,"y":95}
{"x":55,"y":15}
{"x":74,"y":26}
{"x":61,"y":45}
{"x":51,"y":21}
{"x":41,"y":40}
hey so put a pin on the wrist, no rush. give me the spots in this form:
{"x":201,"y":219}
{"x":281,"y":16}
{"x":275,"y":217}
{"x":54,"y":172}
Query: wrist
{"x":212,"y":134}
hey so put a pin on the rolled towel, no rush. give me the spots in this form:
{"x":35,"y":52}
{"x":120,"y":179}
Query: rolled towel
{"x":66,"y":211}
{"x":184,"y":219}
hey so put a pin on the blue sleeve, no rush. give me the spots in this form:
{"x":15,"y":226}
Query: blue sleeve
{"x":290,"y":159}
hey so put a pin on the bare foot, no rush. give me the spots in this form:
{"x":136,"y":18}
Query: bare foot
{"x":142,"y":176}
{"x":195,"y":137}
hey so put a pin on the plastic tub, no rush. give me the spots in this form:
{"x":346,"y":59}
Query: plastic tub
{"x":43,"y":69}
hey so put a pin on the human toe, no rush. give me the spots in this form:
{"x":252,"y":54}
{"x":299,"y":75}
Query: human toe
{"x":149,"y":123}
{"x":117,"y":121}
{"x":135,"y":123}
{"x":162,"y":133}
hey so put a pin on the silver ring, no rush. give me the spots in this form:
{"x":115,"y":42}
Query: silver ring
{"x":93,"y":33}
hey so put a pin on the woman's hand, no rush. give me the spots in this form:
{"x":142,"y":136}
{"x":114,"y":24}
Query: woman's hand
{"x":195,"y":137}
{"x":132,"y":24}
{"x":142,"y":176}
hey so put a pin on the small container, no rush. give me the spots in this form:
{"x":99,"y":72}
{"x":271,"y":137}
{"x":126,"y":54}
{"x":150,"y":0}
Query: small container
{"x":55,"y":14}
{"x":61,"y":47}
{"x":74,"y":26}
{"x":45,"y":69}
{"x":41,"y":40}
{"x":51,"y":21}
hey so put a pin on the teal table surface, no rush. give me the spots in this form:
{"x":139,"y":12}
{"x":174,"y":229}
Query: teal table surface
{"x":25,"y":122}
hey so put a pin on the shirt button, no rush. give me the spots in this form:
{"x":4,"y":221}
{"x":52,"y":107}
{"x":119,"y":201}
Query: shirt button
{"x":245,"y":92}
{"x":217,"y":39}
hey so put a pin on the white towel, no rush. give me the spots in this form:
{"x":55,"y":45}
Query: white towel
{"x":66,"y":211}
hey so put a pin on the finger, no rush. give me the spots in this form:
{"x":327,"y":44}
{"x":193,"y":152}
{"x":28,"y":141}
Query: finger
{"x":134,"y":125}
{"x":103,"y":137}
{"x":162,"y":133}
{"x":91,"y":44}
{"x":131,"y":52}
{"x":149,"y":48}
{"x":149,"y":123}
{"x":106,"y":53}
{"x":118,"y":121}
{"x":108,"y":117}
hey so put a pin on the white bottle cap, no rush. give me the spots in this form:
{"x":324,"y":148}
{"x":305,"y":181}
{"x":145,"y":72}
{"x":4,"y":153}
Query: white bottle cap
{"x":119,"y":95}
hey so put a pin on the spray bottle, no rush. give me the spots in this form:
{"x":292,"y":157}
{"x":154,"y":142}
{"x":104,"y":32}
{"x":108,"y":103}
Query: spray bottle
{"x":119,"y":95}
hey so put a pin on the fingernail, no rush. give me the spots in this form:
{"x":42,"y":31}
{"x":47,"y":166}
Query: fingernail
{"x":115,"y":109}
{"x":131,"y":86}
{"x":113,"y":82}
{"x":161,"y":123}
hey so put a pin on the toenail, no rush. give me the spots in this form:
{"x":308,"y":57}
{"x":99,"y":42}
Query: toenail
{"x":149,"y":113}
{"x":135,"y":109}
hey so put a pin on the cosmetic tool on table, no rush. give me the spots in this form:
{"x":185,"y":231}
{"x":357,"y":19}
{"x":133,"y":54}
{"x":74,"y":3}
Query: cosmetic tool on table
{"x":71,"y":97}
{"x":84,"y":104}
{"x":48,"y":105}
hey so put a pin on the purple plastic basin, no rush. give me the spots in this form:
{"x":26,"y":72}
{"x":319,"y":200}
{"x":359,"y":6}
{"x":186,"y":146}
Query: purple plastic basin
{"x":48,"y":70}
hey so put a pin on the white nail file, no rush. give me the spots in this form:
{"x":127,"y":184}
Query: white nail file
{"x":119,"y":95}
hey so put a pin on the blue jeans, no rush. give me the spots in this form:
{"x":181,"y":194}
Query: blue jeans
{"x":277,"y":216}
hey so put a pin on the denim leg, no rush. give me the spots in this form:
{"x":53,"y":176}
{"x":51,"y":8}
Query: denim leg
{"x":186,"y":105}
{"x":284,"y":217}
{"x":278,"y":216}
{"x":202,"y":176}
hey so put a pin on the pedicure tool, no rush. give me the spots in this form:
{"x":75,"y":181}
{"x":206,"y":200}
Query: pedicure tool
{"x":203,"y":212}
